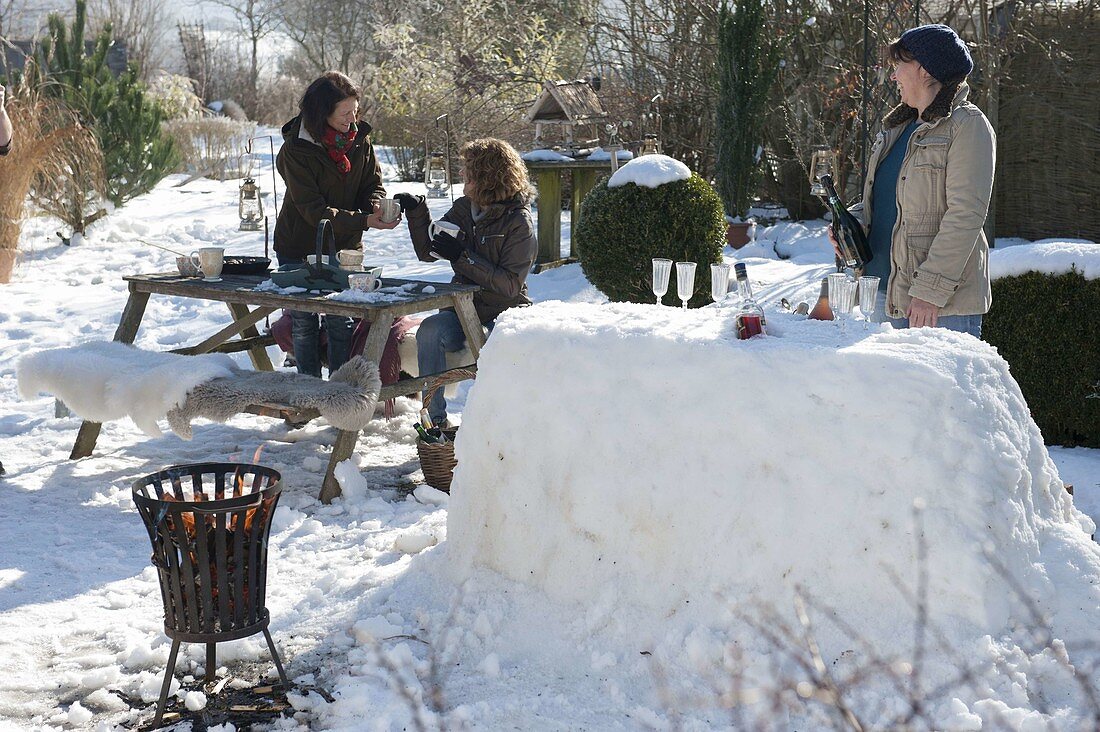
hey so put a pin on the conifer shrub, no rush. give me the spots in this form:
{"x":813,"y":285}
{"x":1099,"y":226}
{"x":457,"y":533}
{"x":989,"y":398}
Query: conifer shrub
{"x":622,"y":229}
{"x":137,"y":154}
{"x":1046,"y":327}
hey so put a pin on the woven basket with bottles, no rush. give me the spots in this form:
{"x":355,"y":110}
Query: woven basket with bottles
{"x":437,"y":460}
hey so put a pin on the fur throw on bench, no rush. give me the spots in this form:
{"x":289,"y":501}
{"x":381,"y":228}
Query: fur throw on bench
{"x":103,"y":381}
{"x":346,"y":400}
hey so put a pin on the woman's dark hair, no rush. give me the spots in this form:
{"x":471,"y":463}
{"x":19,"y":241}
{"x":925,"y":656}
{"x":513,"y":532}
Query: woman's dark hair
{"x":321,"y":98}
{"x":941,"y":103}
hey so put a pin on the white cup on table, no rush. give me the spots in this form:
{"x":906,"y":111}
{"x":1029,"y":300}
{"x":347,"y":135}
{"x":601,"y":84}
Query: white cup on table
{"x":367,"y":281}
{"x":350,"y":258}
{"x":210,"y":261}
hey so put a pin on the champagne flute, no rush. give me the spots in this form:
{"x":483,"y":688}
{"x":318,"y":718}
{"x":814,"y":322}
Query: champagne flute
{"x":838,"y":293}
{"x":661,"y":270}
{"x":847,"y":300}
{"x":685,"y":281}
{"x":719,"y":281}
{"x":868,"y":294}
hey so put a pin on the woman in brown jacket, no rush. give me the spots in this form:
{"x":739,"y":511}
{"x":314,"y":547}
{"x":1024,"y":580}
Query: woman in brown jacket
{"x":494,"y":247}
{"x":330,"y":170}
{"x":927,"y":192}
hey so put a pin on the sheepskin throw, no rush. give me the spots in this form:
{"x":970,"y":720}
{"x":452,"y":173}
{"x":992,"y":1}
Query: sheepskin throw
{"x":346,"y":400}
{"x":102,"y":381}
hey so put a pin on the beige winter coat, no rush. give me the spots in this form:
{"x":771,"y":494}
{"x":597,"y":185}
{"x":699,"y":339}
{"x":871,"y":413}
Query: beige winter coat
{"x":939,"y":251}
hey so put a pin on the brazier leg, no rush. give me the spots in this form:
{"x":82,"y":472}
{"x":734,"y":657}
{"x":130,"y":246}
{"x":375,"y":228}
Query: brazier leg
{"x":168,"y":672}
{"x":211,"y":661}
{"x":278,"y":663}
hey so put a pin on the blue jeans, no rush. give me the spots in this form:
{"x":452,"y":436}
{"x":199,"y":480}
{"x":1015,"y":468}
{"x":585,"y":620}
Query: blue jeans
{"x":437,"y":336}
{"x":971,"y":324}
{"x":305,"y":329}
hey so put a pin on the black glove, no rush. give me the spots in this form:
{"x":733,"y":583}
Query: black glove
{"x":447,"y":246}
{"x":408,"y":201}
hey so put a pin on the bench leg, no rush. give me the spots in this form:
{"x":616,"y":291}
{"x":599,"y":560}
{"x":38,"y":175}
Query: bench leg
{"x":341,"y":451}
{"x":125,"y":333}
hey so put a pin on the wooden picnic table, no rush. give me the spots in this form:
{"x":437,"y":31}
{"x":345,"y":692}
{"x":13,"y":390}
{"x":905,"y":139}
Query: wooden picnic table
{"x":248,"y":306}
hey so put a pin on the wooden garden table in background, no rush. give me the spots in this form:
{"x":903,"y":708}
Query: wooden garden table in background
{"x":547,"y":177}
{"x":249,"y":306}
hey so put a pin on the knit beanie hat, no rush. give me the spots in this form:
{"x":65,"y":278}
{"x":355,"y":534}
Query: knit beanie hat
{"x":940,"y":51}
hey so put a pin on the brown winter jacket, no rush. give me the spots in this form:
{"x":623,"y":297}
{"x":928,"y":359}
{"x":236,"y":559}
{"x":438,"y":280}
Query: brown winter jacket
{"x":500,"y":249}
{"x":316,"y":189}
{"x":939,"y":251}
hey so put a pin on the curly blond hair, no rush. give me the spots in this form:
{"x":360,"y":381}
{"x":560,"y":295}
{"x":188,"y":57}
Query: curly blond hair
{"x":496,"y":171}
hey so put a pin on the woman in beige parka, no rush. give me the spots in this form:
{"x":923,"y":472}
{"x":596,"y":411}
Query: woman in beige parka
{"x":927,"y":194}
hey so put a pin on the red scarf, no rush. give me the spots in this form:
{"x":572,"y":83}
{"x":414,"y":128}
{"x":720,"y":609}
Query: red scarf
{"x":337,"y":145}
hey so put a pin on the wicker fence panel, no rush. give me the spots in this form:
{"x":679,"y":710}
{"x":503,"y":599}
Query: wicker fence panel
{"x":1048,"y":146}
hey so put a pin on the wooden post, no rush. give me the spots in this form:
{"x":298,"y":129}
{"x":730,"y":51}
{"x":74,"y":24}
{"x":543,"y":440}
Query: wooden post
{"x":584,"y":180}
{"x":125,"y":333}
{"x":549,"y":185}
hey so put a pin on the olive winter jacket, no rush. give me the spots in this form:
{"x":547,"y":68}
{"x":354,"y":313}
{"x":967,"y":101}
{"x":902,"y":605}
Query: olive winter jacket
{"x":316,"y":189}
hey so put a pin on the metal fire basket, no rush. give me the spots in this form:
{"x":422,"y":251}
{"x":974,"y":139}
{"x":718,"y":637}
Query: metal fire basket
{"x":209,"y":526}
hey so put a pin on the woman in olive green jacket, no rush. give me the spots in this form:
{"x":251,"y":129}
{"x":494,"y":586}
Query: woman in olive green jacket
{"x":927,"y":193}
{"x":328,"y":164}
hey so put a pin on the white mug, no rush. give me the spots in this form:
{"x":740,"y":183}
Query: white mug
{"x":389,"y":209}
{"x":350,"y":258}
{"x":367,"y":281}
{"x":209,"y":260}
{"x":446,"y":227}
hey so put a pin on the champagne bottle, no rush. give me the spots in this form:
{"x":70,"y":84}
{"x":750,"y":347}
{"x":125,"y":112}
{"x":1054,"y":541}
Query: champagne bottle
{"x":426,"y":436}
{"x":750,"y":318}
{"x":854,"y":249}
{"x":425,"y":419}
{"x":821,"y":310}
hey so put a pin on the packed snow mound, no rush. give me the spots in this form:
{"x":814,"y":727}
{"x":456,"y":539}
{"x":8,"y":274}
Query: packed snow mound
{"x":545,"y":155}
{"x":1048,"y":256}
{"x":602,"y":154}
{"x":650,"y":171}
{"x":655,"y":483}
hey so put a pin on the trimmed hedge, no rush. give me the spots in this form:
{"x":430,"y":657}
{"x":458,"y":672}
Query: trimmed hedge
{"x":1047,"y":328}
{"x":622,"y":229}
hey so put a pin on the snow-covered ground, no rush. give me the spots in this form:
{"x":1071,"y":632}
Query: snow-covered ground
{"x":361,"y":605}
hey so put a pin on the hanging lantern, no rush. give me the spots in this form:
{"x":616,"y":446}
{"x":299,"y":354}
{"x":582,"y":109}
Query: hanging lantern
{"x":250,"y":206}
{"x":822,"y":163}
{"x":435,"y":175}
{"x":651,"y":145}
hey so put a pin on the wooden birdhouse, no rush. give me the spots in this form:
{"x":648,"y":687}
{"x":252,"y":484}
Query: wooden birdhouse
{"x":567,"y":104}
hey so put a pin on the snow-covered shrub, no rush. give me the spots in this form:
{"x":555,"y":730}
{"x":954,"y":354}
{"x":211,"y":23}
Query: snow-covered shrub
{"x":213,"y":146}
{"x":622,"y":229}
{"x":1045,"y":327}
{"x":175,"y":95}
